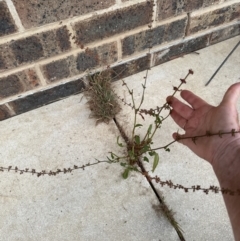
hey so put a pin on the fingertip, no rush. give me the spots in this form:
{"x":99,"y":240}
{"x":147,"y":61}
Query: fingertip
{"x":175,"y":135}
{"x":232,"y":94}
{"x":168,"y":99}
{"x":185,"y":93}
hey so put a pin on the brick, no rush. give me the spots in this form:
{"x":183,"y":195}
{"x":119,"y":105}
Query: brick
{"x":4,"y":112}
{"x":171,"y":8}
{"x":102,"y":55}
{"x":126,"y":69}
{"x":55,"y":41}
{"x":131,"y":67}
{"x":18,"y":83}
{"x":115,"y":22}
{"x":10,"y":85}
{"x":36,"y":13}
{"x":180,"y":49}
{"x":207,"y":3}
{"x":167,"y":9}
{"x":27,"y":50}
{"x":175,"y":30}
{"x":87,"y":60}
{"x":39,"y":46}
{"x":71,"y":65}
{"x":7,"y":59}
{"x":45,"y":97}
{"x":2,"y":63}
{"x":225,"y":33}
{"x":214,"y":18}
{"x":235,"y":12}
{"x":56,"y":70}
{"x":62,"y":36}
{"x":156,"y":36}
{"x":7,"y":25}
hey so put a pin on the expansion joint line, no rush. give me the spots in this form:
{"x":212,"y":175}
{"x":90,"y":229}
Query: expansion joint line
{"x":140,"y":164}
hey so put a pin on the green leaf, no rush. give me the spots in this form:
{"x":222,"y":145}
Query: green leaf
{"x":151,"y":153}
{"x":109,"y":159}
{"x":155,"y":162}
{"x":131,"y":155}
{"x":158,"y":121}
{"x":125,"y":174}
{"x":149,"y":129}
{"x":120,"y":144}
{"x":167,"y":149}
{"x":138,"y":125}
{"x":145,"y":149}
{"x":137,"y":139}
{"x":112,"y":156}
{"x":123,"y":164}
{"x":145,"y":159}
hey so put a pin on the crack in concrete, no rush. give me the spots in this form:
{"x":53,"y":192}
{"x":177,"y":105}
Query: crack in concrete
{"x":140,"y":164}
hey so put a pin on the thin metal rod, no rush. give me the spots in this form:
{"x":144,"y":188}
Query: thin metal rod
{"x":222,"y":63}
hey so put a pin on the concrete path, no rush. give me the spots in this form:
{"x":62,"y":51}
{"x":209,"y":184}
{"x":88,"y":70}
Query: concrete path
{"x":96,"y":204}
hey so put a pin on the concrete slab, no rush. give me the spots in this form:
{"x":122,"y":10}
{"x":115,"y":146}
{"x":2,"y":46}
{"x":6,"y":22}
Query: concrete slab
{"x":95,"y":204}
{"x":201,"y":216}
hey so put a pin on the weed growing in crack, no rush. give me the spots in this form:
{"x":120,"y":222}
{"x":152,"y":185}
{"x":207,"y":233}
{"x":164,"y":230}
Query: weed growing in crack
{"x":140,"y":149}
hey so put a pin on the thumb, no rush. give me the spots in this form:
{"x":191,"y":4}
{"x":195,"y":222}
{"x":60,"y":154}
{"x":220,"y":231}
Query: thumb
{"x":177,"y":137}
{"x":232,"y":95}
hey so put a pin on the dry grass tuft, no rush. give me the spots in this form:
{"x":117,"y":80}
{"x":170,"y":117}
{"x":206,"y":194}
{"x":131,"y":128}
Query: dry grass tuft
{"x":101,"y":98}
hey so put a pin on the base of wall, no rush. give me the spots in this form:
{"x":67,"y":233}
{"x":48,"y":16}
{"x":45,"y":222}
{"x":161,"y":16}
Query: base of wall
{"x":158,"y":55}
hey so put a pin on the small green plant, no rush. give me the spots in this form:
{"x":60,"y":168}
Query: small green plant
{"x":138,"y":149}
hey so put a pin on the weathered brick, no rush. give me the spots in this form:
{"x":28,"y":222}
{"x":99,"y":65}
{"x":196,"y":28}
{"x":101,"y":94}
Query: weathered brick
{"x":171,"y":8}
{"x":10,"y":85}
{"x":4,"y":112}
{"x":48,"y":96}
{"x":39,"y":46}
{"x":2,"y":63}
{"x":156,"y":36}
{"x":235,"y":12}
{"x":181,"y":49}
{"x":62,"y":37}
{"x":115,"y":22}
{"x":7,"y":58}
{"x":35,"y":13}
{"x":71,"y":65}
{"x":214,"y":18}
{"x":143,"y":40}
{"x":126,"y":69}
{"x":207,"y":3}
{"x":132,"y":67}
{"x":167,"y":9}
{"x":102,"y":55}
{"x":225,"y":33}
{"x":18,"y":83}
{"x":32,"y":79}
{"x":87,"y":60}
{"x":175,"y":30}
{"x":7,"y":25}
{"x":27,"y":50}
{"x":56,"y":70}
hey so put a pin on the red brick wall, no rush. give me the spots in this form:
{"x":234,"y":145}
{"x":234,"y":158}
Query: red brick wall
{"x":47,"y":46}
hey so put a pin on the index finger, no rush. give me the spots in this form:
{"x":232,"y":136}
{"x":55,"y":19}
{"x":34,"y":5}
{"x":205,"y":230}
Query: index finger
{"x":195,"y":101}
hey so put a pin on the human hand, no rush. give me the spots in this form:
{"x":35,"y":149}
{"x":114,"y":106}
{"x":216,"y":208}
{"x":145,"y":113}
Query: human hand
{"x":200,"y":117}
